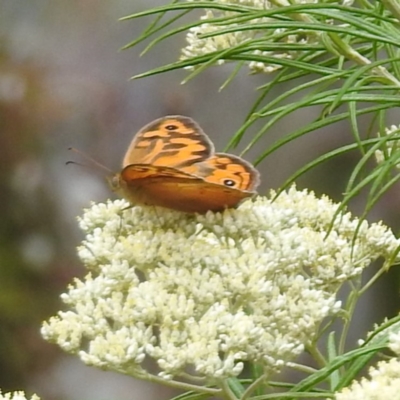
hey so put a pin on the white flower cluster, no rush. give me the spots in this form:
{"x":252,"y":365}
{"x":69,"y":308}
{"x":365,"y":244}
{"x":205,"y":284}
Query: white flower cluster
{"x":391,"y":147}
{"x":384,"y":378}
{"x":198,"y":46}
{"x":209,"y":292}
{"x":17,"y":396}
{"x":384,"y":384}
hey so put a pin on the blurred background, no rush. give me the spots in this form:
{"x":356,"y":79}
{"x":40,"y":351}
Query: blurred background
{"x":64,"y":82}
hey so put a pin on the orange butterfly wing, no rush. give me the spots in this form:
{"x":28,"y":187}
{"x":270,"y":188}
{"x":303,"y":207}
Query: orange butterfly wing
{"x":171,"y":163}
{"x":167,"y":187}
{"x":173,"y":141}
{"x":227,"y":170}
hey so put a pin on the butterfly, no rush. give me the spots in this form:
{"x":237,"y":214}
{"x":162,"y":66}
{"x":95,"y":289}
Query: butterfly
{"x":171,"y":163}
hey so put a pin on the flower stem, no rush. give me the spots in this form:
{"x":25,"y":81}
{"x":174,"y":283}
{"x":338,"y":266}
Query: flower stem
{"x":250,"y":389}
{"x":317,"y":355}
{"x":380,"y":272}
{"x":350,"y":306}
{"x":180,"y":385}
{"x":301,"y":368}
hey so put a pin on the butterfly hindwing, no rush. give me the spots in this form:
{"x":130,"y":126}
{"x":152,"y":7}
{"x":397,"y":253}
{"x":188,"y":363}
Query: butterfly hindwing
{"x":169,"y":188}
{"x":228,"y":170}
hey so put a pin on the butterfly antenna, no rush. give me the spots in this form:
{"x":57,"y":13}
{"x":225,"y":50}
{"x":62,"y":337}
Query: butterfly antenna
{"x":92,"y":160}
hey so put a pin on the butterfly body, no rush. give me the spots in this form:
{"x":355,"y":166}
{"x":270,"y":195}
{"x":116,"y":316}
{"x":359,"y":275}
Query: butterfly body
{"x":171,"y":163}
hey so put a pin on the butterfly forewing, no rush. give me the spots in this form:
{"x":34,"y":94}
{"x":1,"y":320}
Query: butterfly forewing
{"x":174,"y":141}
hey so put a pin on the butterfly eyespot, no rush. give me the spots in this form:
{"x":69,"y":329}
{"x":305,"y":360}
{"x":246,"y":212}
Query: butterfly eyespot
{"x":171,"y":127}
{"x":229,"y":182}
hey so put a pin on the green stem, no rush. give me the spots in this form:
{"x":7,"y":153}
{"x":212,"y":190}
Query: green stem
{"x":380,"y":272}
{"x":393,"y":6}
{"x":226,"y":391}
{"x":250,"y":389}
{"x":301,"y":368}
{"x":176,"y":384}
{"x":317,"y":355}
{"x":350,"y":306}
{"x":346,"y":50}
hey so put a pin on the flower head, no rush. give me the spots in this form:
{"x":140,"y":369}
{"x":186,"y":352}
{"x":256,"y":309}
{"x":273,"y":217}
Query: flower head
{"x":211,"y":291}
{"x":384,"y":378}
{"x":17,"y":396}
{"x":383,"y":383}
{"x":390,"y":148}
{"x":241,"y":33}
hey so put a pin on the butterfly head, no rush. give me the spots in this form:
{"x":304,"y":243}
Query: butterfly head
{"x":115,"y":182}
